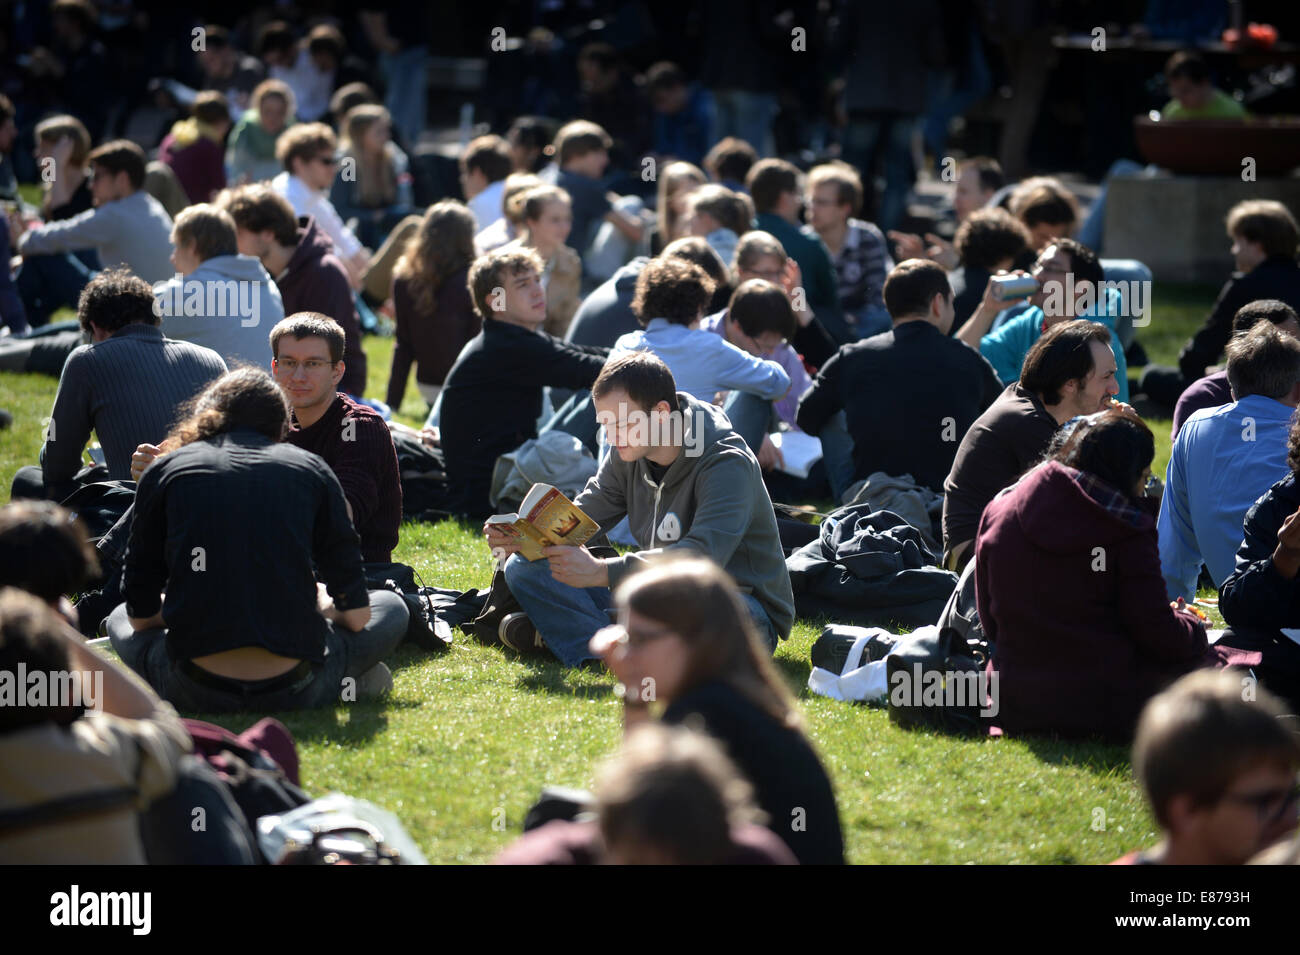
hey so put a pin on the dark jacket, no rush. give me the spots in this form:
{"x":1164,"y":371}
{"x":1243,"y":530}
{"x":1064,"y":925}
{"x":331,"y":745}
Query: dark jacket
{"x":1255,"y":595}
{"x":431,"y":340}
{"x":871,"y":568}
{"x":1071,"y":596}
{"x":606,"y":314}
{"x":999,"y":447}
{"x":493,"y":396}
{"x":1276,"y":277}
{"x":790,"y":784}
{"x":316,"y":281}
{"x":908,"y":395}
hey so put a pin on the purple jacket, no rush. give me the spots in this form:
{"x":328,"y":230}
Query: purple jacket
{"x":1070,"y":593}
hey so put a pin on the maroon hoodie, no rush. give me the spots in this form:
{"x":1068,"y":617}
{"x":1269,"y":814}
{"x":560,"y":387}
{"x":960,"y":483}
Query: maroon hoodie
{"x":1069,"y":591}
{"x":316,"y":281}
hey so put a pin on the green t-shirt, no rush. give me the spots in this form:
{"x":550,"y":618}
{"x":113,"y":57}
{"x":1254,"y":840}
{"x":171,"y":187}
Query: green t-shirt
{"x":1220,"y":106}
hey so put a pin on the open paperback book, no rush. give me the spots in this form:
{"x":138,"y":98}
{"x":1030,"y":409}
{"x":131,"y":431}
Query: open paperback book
{"x":799,"y":451}
{"x":546,"y":518}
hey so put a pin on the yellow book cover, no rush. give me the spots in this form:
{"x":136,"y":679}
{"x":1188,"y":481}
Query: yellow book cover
{"x":546,"y":518}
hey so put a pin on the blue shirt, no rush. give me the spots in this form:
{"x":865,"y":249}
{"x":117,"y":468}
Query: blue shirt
{"x":703,"y":363}
{"x":1223,"y":460}
{"x":1007,"y":345}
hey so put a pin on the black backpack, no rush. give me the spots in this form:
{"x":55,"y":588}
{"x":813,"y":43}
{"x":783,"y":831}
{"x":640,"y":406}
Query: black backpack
{"x":937,"y":680}
{"x":425,"y":629}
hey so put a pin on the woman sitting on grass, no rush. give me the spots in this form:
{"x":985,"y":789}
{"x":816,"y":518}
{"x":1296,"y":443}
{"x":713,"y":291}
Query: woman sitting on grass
{"x":1070,"y":593}
{"x":378,"y":194}
{"x":686,"y":644}
{"x":250,"y":152}
{"x":435,"y":317}
{"x":547,"y":216}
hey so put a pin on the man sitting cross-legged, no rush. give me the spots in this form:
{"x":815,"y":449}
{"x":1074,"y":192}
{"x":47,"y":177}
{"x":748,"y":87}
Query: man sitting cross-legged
{"x":234,"y":526}
{"x":686,"y":482}
{"x":351,"y":438}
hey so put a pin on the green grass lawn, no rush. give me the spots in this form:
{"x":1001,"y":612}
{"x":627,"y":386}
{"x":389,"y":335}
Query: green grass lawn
{"x":470,"y":737}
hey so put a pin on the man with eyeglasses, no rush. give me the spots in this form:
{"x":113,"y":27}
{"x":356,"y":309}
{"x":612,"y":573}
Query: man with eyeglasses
{"x":1218,"y":767}
{"x":1070,"y":285}
{"x":351,"y":438}
{"x":308,"y":154}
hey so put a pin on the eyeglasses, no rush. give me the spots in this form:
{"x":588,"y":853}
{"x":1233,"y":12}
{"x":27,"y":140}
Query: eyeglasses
{"x":1270,"y":804}
{"x":327,"y":160}
{"x":311,"y":365}
{"x":635,"y":639}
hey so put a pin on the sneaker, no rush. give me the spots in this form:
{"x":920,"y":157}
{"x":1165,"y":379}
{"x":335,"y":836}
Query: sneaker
{"x":517,"y":632}
{"x":375,"y":682}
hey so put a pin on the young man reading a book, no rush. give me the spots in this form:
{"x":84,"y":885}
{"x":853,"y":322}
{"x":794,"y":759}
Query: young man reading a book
{"x":686,"y":481}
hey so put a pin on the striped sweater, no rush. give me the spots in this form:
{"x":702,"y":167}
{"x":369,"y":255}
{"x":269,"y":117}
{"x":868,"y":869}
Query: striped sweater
{"x":126,"y":389}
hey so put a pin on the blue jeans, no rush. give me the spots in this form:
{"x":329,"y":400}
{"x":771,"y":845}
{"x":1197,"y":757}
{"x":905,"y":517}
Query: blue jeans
{"x":837,"y":454}
{"x":1093,"y":229}
{"x":750,"y":416}
{"x":47,"y":283}
{"x":347,"y":654}
{"x":406,"y":74}
{"x":568,"y":617}
{"x":747,"y":116}
{"x":889,"y":135}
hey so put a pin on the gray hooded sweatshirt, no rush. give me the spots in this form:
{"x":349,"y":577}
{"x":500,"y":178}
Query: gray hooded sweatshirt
{"x":229,"y":304}
{"x":712,"y":502}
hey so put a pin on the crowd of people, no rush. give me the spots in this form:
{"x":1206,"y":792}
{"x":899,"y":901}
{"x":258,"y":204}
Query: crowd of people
{"x":683,"y":344}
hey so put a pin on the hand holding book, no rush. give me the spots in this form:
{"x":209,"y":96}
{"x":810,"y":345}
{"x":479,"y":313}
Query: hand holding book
{"x":546,"y":519}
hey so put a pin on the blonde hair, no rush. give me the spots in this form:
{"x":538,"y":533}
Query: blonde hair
{"x":672,"y":178}
{"x":210,"y":229}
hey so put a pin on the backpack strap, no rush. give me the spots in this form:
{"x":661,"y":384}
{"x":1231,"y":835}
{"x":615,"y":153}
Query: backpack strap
{"x":68,"y":808}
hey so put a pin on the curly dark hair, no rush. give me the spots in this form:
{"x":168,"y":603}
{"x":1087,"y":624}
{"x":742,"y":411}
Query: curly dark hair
{"x":989,"y":237}
{"x":114,"y":299}
{"x":671,"y":288}
{"x":244,"y":398}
